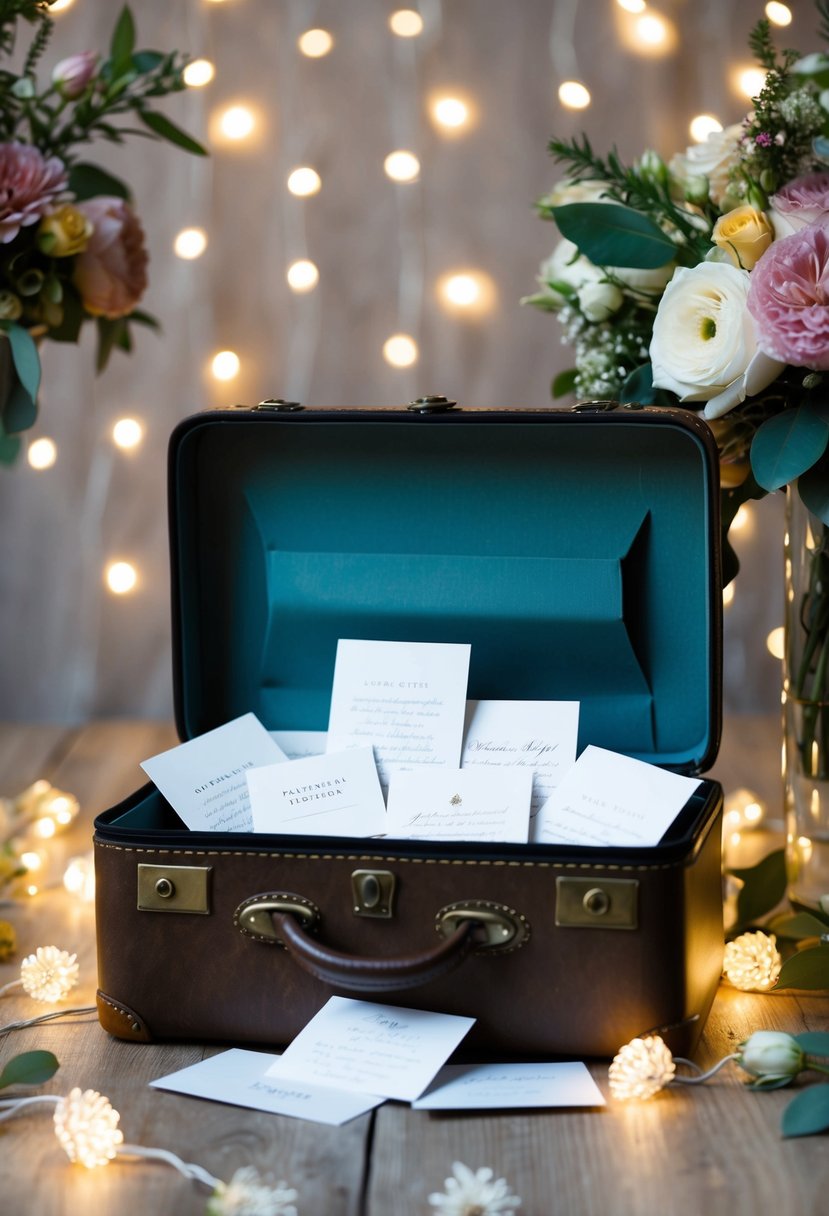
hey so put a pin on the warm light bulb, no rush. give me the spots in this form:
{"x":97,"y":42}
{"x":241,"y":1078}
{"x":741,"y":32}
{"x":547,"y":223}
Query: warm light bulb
{"x":42,"y":453}
{"x":190,"y":243}
{"x":225,"y":365}
{"x":49,"y":974}
{"x":752,"y":962}
{"x":315,"y":43}
{"x":632,"y":6}
{"x":750,"y":81}
{"x":401,"y":166}
{"x":650,"y":34}
{"x":641,"y":1068}
{"x":400,"y":350}
{"x":44,"y":827}
{"x":86,"y":1126}
{"x":79,"y":878}
{"x":127,"y":433}
{"x":742,"y":808}
{"x":573,"y":95}
{"x":406,"y":23}
{"x":468,"y":291}
{"x":302,"y":275}
{"x":121,"y":577}
{"x":303,"y":182}
{"x":450,"y":113}
{"x":778,"y":14}
{"x":775,"y":642}
{"x":31,"y":860}
{"x":198,"y":73}
{"x":702,"y":126}
{"x":237,"y":122}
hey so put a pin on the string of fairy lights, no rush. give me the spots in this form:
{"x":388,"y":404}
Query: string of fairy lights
{"x":641,"y":28}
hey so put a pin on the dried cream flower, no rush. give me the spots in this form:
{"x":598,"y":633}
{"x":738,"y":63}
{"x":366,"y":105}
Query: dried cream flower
{"x":87,"y":1127}
{"x":641,"y":1068}
{"x":752,"y":962}
{"x":469,"y":1194}
{"x":49,"y":974}
{"x":247,"y":1194}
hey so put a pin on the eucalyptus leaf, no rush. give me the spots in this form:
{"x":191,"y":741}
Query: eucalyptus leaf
{"x":147,"y":61}
{"x":764,"y":885}
{"x":813,"y":488}
{"x":807,"y":969}
{"x":814,"y":1042}
{"x":9,"y":448}
{"x":26,"y":359}
{"x":20,"y":410}
{"x":808,"y":1113}
{"x":564,"y":383}
{"x":89,"y":181}
{"x":820,"y":147}
{"x":612,"y":235}
{"x":123,"y":43}
{"x":161,"y":125}
{"x":786,"y":445}
{"x":638,"y":387}
{"x":30,"y":1068}
{"x":799,"y":926}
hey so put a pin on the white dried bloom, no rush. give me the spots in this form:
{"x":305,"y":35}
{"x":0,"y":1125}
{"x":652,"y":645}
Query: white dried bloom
{"x":752,"y":962}
{"x":49,"y":974}
{"x":474,"y":1194}
{"x":641,"y":1068}
{"x":248,"y":1194}
{"x":87,"y":1127}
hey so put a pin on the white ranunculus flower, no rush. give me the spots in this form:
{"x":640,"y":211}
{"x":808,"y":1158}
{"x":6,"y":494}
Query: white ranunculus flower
{"x":713,"y":159}
{"x":599,"y":301}
{"x":566,"y":265}
{"x":567,"y":192}
{"x":704,"y":344}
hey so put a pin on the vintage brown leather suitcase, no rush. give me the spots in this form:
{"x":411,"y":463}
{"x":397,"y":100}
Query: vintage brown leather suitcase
{"x":578,"y":552}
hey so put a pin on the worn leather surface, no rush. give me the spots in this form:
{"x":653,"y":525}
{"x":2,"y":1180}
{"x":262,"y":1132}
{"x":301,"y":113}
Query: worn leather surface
{"x":566,"y":991}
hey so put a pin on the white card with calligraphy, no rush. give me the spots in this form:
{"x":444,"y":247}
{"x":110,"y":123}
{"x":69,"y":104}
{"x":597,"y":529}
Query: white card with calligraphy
{"x":333,"y":795}
{"x":467,"y":804}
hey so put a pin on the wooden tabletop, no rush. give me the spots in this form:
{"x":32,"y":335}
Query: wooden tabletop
{"x":712,"y":1149}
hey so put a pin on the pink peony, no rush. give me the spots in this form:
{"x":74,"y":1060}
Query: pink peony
{"x":111,"y":273}
{"x":73,"y":74}
{"x":800,"y":202}
{"x":29,"y":185}
{"x":789,"y":298}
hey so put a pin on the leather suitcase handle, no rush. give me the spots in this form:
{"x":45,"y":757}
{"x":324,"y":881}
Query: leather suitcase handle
{"x":360,"y":974}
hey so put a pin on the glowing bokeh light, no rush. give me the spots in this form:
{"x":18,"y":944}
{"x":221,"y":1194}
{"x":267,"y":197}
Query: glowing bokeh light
{"x":303,"y":182}
{"x":778,"y":14}
{"x":237,"y":122}
{"x":198,"y":73}
{"x":42,"y":453}
{"x":401,"y":166}
{"x":749,"y":81}
{"x":225,"y":365}
{"x":400,"y":350}
{"x":315,"y":43}
{"x":121,"y":577}
{"x":702,"y":126}
{"x":302,"y":275}
{"x":450,"y":113}
{"x":775,"y":642}
{"x":127,"y":434}
{"x":190,"y":243}
{"x":406,"y":23}
{"x":573,"y":95}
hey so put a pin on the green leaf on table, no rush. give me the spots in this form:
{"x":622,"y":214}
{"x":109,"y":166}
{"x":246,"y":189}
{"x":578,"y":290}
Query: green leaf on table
{"x":788,"y":444}
{"x":90,"y":181}
{"x":612,"y":235}
{"x":813,"y":1042}
{"x":30,"y":1068}
{"x":564,"y":383}
{"x":801,"y":925}
{"x":161,"y":125}
{"x":764,"y":885}
{"x":123,"y":43}
{"x":808,"y":1113}
{"x":807,"y":969}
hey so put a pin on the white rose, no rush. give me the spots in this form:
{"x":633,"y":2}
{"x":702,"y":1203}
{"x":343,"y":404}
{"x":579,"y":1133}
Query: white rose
{"x":772,"y":1055}
{"x":704,"y":344}
{"x":713,"y":159}
{"x":567,"y":192}
{"x":598,"y":301}
{"x":566,"y":265}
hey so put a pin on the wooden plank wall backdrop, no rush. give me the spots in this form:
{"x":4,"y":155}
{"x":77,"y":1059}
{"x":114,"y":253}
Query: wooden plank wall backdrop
{"x":69,"y":649}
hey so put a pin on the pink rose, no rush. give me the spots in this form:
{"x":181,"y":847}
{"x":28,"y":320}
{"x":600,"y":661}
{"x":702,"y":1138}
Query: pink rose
{"x":111,"y":273}
{"x":73,"y":74}
{"x":801,"y":202}
{"x":29,"y":185}
{"x":789,"y":298}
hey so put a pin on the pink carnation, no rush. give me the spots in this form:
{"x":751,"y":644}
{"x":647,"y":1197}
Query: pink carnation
{"x":29,"y":186}
{"x":789,"y":298}
{"x":801,"y":202}
{"x":111,"y":273}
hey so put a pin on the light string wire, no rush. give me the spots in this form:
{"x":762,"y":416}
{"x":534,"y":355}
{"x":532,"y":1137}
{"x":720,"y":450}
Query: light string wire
{"x":46,"y":1017}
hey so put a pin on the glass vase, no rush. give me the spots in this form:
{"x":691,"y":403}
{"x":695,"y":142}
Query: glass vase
{"x":806,"y":704}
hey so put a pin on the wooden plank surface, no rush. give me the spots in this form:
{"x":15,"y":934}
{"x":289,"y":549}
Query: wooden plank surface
{"x":713,"y":1149}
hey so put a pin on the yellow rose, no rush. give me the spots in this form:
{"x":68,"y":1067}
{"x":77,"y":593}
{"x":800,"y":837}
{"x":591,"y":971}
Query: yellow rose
{"x":744,"y":234}
{"x":64,"y":232}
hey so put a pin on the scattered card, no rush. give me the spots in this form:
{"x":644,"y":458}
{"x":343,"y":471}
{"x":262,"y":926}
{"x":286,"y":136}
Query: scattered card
{"x":297,"y":744}
{"x":467,"y":804}
{"x":238,"y":1078}
{"x":610,"y":799}
{"x":204,"y":779}
{"x":406,"y":699}
{"x":371,"y":1049}
{"x":537,"y":735}
{"x":333,"y":795}
{"x":510,"y":1087}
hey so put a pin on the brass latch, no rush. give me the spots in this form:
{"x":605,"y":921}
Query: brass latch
{"x":591,"y":903}
{"x":174,"y":889}
{"x":373,"y":893}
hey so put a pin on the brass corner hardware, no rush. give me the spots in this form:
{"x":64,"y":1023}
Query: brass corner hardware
{"x":597,"y":903}
{"x":373,"y":893}
{"x":174,"y":889}
{"x":505,"y":928}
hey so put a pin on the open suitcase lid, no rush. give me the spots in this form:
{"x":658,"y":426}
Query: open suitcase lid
{"x":577,"y":551}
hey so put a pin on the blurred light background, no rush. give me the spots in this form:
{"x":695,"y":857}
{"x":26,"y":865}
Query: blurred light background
{"x":361,"y":234}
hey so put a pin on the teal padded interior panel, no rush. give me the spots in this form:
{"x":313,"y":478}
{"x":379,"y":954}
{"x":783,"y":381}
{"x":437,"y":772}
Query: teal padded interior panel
{"x":574,"y":554}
